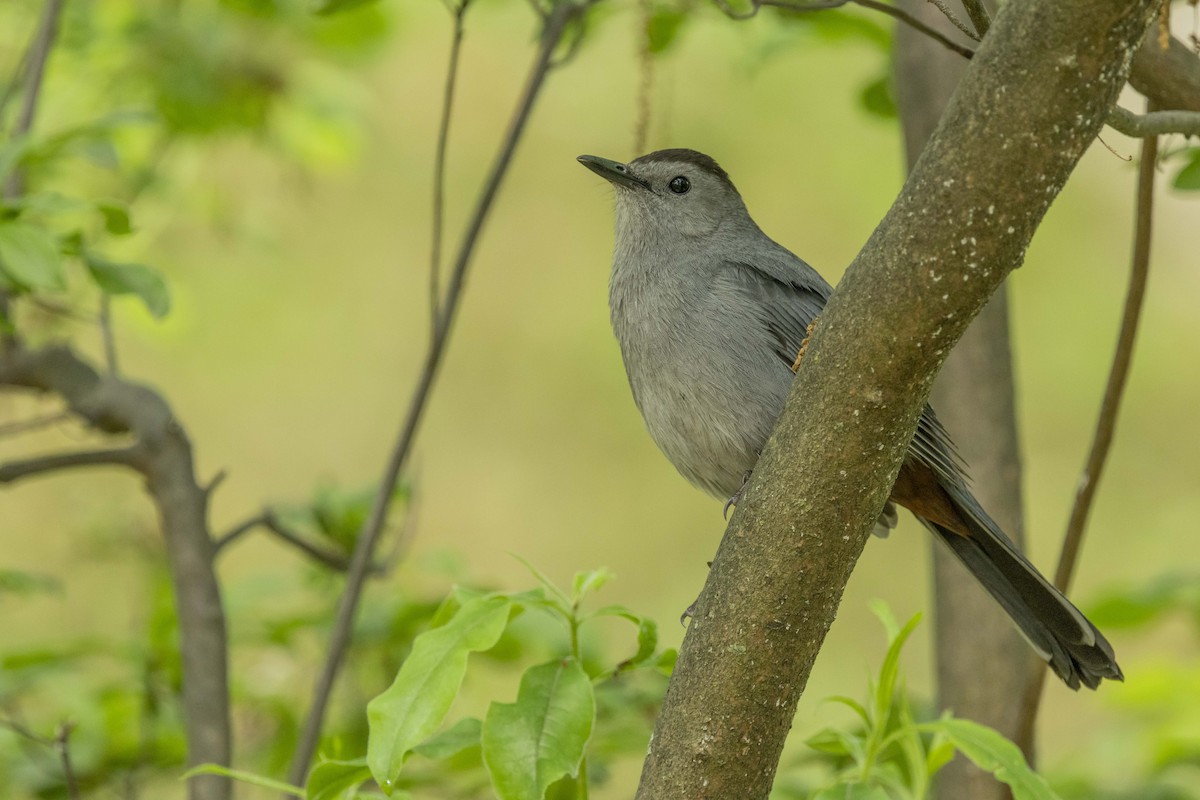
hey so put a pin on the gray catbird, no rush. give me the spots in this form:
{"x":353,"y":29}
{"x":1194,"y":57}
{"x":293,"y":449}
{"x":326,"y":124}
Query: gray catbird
{"x":711,"y":315}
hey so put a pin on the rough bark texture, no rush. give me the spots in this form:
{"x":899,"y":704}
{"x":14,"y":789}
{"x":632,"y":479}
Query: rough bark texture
{"x":982,"y":662}
{"x":162,"y":453}
{"x":1033,"y":99}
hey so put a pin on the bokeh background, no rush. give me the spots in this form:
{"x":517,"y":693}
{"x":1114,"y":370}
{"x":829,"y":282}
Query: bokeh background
{"x":298,"y":265}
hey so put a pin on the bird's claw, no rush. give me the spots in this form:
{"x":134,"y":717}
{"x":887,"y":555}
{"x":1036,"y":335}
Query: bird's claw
{"x":733,"y":501}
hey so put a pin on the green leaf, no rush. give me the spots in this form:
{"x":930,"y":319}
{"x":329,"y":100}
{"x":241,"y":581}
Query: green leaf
{"x":877,"y":97}
{"x":852,"y":791}
{"x":837,"y":743}
{"x":1138,"y":606}
{"x":325,"y":8}
{"x":587,"y":582}
{"x":117,"y":278}
{"x":662,"y":28}
{"x":891,"y":664}
{"x":853,"y":705}
{"x":17,"y":582}
{"x":467,"y":732}
{"x":244,"y":777}
{"x":1188,"y":178}
{"x":29,"y":256}
{"x":530,"y":744}
{"x":647,"y":636}
{"x":555,"y":592}
{"x":334,"y":780}
{"x":992,"y":752}
{"x":417,"y":701}
{"x":116,"y":218}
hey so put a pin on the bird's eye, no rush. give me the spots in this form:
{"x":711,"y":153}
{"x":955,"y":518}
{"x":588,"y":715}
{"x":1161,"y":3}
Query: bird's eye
{"x":679,"y":184}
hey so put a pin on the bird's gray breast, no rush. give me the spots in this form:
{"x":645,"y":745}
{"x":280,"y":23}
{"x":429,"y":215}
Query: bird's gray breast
{"x":701,"y":365}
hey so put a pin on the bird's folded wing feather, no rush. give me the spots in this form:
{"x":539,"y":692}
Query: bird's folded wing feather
{"x":790,"y":295}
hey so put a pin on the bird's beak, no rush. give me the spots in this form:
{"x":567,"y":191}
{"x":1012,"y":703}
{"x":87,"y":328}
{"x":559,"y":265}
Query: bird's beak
{"x":612,"y":171}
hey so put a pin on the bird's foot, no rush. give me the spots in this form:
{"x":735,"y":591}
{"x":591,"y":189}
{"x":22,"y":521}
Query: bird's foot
{"x":803,"y":345}
{"x":733,"y":501}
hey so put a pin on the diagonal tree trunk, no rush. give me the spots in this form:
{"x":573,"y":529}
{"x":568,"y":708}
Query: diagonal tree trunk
{"x":1033,"y":99}
{"x":982,"y":663}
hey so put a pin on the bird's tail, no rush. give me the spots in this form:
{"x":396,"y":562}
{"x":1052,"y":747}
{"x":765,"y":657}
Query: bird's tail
{"x":1056,"y":629}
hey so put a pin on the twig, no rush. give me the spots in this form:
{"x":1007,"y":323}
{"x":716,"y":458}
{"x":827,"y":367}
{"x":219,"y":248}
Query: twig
{"x":360,"y":560}
{"x":1119,"y":373}
{"x":979,"y":16}
{"x":14,"y":84}
{"x":874,"y":5}
{"x":106,"y":334}
{"x":954,"y":20}
{"x":1106,"y":424}
{"x":439,"y":166}
{"x":269,"y":522}
{"x":59,"y":744}
{"x":39,"y":51}
{"x":641,"y":128}
{"x":35,"y":68}
{"x":62,"y":745}
{"x":16,"y":470}
{"x":1154,"y":123}
{"x":27,"y":425}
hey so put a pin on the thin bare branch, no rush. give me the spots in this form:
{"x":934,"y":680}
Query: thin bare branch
{"x":641,"y":127}
{"x":874,"y":5}
{"x":953,"y":18}
{"x":360,"y":561}
{"x":439,"y":166}
{"x":62,"y":746}
{"x":39,"y":52}
{"x":16,"y":470}
{"x":106,"y":334}
{"x":14,"y":84}
{"x":35,"y":68}
{"x":979,"y":16}
{"x":1118,"y":375}
{"x":1154,"y":123}
{"x":271,"y":523}
{"x":36,"y":423}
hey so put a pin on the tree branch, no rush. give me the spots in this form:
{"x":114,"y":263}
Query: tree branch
{"x":271,"y":523}
{"x":1154,"y":123}
{"x":439,"y":166}
{"x":1170,"y":77}
{"x":825,"y":5}
{"x":1118,"y":375}
{"x":979,"y":16}
{"x":39,"y":52}
{"x":16,"y":470}
{"x":953,"y":19}
{"x":960,"y":225}
{"x":27,"y":425}
{"x":163,"y":455}
{"x":34,"y":68}
{"x":555,"y":25}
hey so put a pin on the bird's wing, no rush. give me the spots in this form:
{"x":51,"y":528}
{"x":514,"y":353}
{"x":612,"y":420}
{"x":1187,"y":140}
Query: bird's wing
{"x":788,"y":294}
{"x":791,"y":294}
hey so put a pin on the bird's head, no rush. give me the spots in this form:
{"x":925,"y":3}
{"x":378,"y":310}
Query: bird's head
{"x":671,"y":193}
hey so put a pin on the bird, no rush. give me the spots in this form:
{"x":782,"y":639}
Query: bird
{"x":712,"y":315}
